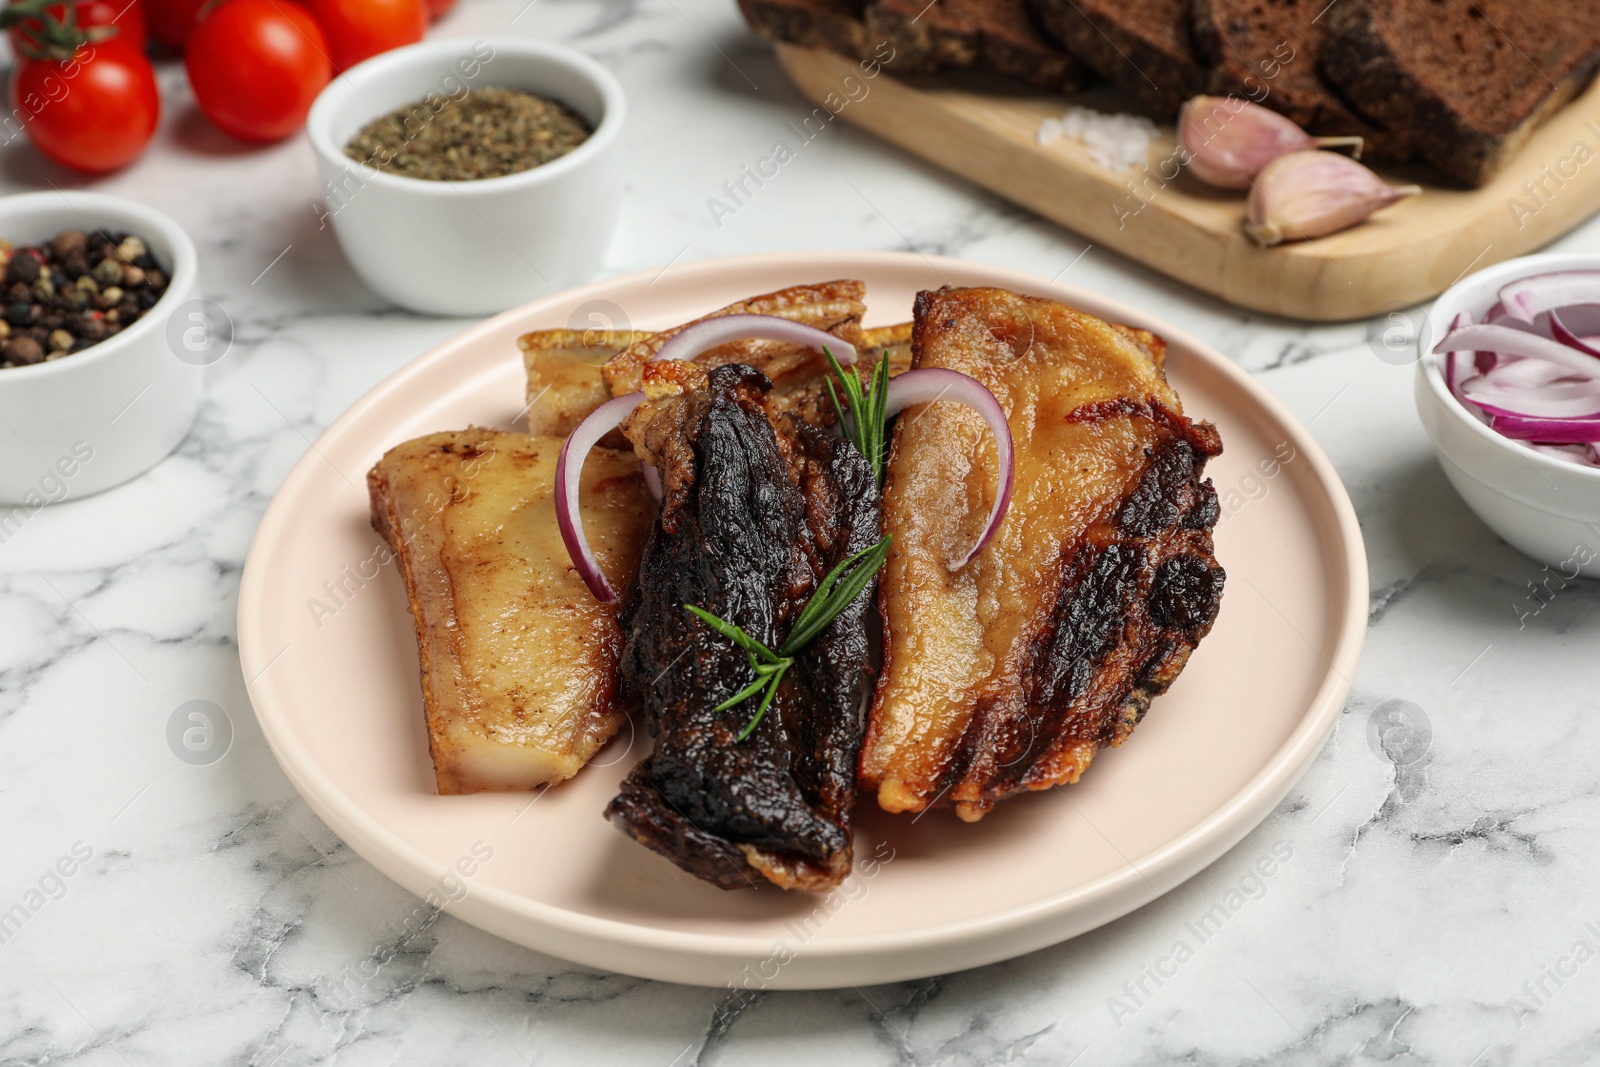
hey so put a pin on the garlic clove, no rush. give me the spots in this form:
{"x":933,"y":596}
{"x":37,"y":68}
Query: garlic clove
{"x":1312,"y":193}
{"x":1228,"y":141}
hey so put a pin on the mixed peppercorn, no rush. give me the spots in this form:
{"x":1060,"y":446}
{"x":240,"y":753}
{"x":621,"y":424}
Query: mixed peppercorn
{"x":73,"y":291}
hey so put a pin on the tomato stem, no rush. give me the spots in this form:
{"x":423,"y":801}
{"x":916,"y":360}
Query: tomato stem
{"x":41,"y":35}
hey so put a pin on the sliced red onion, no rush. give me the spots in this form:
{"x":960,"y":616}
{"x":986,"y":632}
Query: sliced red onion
{"x":1530,"y":408}
{"x":1506,"y":341}
{"x":569,"y":468}
{"x":1526,"y":298}
{"x":652,"y":480}
{"x":1499,"y":316}
{"x":725,"y":329}
{"x":1454,"y":361}
{"x":1567,"y":325}
{"x":1534,"y":368}
{"x":935,"y":383}
{"x":1548,"y":431}
{"x":1582,"y":455}
{"x":1548,"y":391}
{"x":1579,"y":454}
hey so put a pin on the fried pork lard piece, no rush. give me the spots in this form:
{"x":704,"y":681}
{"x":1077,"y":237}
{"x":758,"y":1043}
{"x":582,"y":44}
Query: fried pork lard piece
{"x":518,"y":659}
{"x":572,"y":372}
{"x":1010,"y":674}
{"x":564,"y":379}
{"x":757,"y":511}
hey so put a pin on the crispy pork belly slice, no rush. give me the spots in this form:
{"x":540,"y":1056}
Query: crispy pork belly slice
{"x":518,"y":659}
{"x":1010,"y":674}
{"x":564,"y":379}
{"x":895,"y":340}
{"x":567,"y":381}
{"x":758,"y":510}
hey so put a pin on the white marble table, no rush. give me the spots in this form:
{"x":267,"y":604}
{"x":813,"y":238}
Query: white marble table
{"x":1434,"y":908}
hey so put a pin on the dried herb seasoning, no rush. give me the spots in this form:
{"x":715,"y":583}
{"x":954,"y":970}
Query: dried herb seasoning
{"x":485,"y":133}
{"x":72,"y":291}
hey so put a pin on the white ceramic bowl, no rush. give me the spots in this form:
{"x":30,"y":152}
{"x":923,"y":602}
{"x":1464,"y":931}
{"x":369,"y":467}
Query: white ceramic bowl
{"x":86,"y":422}
{"x":1544,"y":506}
{"x":473,"y":247}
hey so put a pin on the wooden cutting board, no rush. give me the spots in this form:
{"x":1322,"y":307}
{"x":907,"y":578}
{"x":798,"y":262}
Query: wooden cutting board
{"x":987,"y":132}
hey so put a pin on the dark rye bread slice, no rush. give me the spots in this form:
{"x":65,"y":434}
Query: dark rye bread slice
{"x":1268,"y":51}
{"x":1001,"y":35}
{"x":1470,"y":78}
{"x":837,"y":25}
{"x":1141,"y":46}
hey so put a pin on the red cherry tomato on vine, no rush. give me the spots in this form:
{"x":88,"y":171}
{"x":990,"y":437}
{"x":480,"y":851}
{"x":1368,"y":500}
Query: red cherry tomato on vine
{"x":126,"y":15}
{"x":360,"y":29}
{"x":256,"y":66}
{"x":172,"y":20}
{"x":94,"y":112}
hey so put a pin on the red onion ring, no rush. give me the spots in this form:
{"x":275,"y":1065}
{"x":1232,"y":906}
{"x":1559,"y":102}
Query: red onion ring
{"x":652,"y":480}
{"x":1509,"y":342}
{"x":1451,"y":359}
{"x":1559,"y":329}
{"x":707,"y":334}
{"x":1548,"y":431}
{"x":1534,"y":371}
{"x":935,"y":383}
{"x":569,"y":468}
{"x":685,"y":344}
{"x":1586,"y":407}
{"x":1527,"y":298}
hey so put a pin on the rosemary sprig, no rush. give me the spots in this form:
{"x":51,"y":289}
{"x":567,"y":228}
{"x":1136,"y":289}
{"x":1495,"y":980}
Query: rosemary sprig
{"x":865,"y":425}
{"x":833,"y":594}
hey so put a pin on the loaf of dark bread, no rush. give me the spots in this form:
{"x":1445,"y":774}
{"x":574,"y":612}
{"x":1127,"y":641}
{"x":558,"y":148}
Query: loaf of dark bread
{"x":837,"y":25}
{"x":1000,"y":35}
{"x":1144,"y":47}
{"x":1471,"y":79}
{"x":1269,"y":51}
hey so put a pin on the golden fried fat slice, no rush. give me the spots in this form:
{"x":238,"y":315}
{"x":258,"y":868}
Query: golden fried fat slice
{"x":895,"y":340}
{"x":518,"y":659}
{"x":564,"y":379}
{"x":1011,"y":673}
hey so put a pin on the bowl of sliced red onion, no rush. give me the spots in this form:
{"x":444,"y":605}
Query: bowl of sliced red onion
{"x":1508,"y":388}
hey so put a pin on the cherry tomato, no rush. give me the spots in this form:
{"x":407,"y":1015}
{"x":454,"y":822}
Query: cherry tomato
{"x":360,"y":29}
{"x":172,"y":20}
{"x":437,"y":8}
{"x":256,"y":66}
{"x":126,"y":15}
{"x":94,"y":112}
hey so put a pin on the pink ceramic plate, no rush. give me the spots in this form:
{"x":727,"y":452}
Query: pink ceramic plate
{"x":338,"y":699}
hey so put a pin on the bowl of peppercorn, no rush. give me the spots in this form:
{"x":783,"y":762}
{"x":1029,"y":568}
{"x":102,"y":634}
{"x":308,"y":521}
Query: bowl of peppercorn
{"x":465,"y":177}
{"x":93,"y":390}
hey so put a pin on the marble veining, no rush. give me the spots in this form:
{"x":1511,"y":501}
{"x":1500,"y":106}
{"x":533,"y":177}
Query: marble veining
{"x":1430,"y":902}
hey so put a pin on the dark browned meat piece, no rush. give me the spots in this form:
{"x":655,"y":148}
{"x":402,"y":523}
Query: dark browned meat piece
{"x":753,"y":518}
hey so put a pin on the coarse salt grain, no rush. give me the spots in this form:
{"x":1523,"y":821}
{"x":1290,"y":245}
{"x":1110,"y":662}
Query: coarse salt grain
{"x":1115,"y":141}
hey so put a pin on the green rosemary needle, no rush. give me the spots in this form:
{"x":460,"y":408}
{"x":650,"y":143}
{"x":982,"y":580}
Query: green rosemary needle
{"x":833,"y":594}
{"x":865,"y":426}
